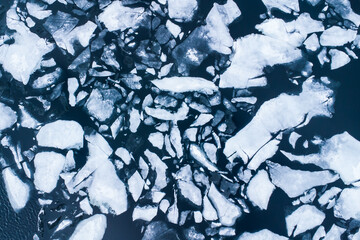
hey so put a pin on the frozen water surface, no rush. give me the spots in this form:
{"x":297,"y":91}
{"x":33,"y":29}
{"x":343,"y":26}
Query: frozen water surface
{"x":184,"y":120}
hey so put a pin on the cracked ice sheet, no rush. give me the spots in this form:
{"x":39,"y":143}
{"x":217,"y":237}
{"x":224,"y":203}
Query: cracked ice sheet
{"x":314,"y":100}
{"x":339,"y":153}
{"x":24,"y":57}
{"x":252,"y":53}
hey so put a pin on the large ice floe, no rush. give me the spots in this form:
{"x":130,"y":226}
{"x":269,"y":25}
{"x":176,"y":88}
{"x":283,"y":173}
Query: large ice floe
{"x":179,"y":119}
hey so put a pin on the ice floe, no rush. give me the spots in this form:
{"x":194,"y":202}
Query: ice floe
{"x":92,"y":228}
{"x":347,"y":206}
{"x":62,"y":134}
{"x":260,"y":190}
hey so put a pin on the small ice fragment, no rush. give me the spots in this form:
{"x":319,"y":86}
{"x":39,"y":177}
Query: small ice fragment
{"x":285,"y":177}
{"x":190,"y":192}
{"x":107,"y":191}
{"x":18,"y":192}
{"x":182,"y":11}
{"x":146,"y":213}
{"x":260,"y":189}
{"x":261,"y":235}
{"x":227,"y":211}
{"x":69,"y":161}
{"x":37,"y":10}
{"x":73,"y":85}
{"x":156,"y":139}
{"x":336,"y":36}
{"x":312,"y":43}
{"x":202,"y":119}
{"x":209,"y":211}
{"x":186,"y":84}
{"x":200,"y":157}
{"x":286,"y":6}
{"x":8,"y":117}
{"x":134,"y":120}
{"x":175,"y":139}
{"x":319,"y":234}
{"x":92,"y":228}
{"x":302,"y":219}
{"x":124,"y":154}
{"x":328,"y":195}
{"x":86,"y":207}
{"x":334,"y":233}
{"x":164,"y":205}
{"x":136,"y":184}
{"x":61,"y":134}
{"x":116,"y":16}
{"x":48,"y":166}
{"x":343,"y":7}
{"x":173,"y":28}
{"x":338,"y":59}
{"x":345,"y":206}
{"x":294,"y":136}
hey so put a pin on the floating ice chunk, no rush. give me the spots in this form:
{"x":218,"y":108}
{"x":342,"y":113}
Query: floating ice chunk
{"x":143,"y":167}
{"x":175,"y":139}
{"x":286,"y":6}
{"x":146,"y":213}
{"x":24,"y":56}
{"x":313,"y":2}
{"x":345,"y":206}
{"x":276,"y":28}
{"x":302,"y":219}
{"x":99,"y":143}
{"x":252,"y":53}
{"x":186,"y":84}
{"x":160,"y":168}
{"x":312,"y":43}
{"x":69,"y":161}
{"x":26,"y":119}
{"x":190,"y":192}
{"x":328,"y":195}
{"x":164,"y":205}
{"x":118,"y":17}
{"x":227,"y":211}
{"x":337,"y":36}
{"x":200,"y":157}
{"x":173,"y":213}
{"x":334,"y":233}
{"x":339,"y":153}
{"x":305,"y":25}
{"x":107,"y":191}
{"x":294,"y":136}
{"x":285,"y":177}
{"x":73,"y":85}
{"x":211,"y":150}
{"x":173,"y":28}
{"x":156,"y":139}
{"x":37,"y":10}
{"x":92,"y":228}
{"x":261,"y":235}
{"x":319,"y":234}
{"x":338,"y":59}
{"x":47,"y":79}
{"x":61,"y":134}
{"x":182,"y":11}
{"x":202,"y":120}
{"x":264,"y":153}
{"x":48,"y":166}
{"x":86,"y":207}
{"x":134,"y":120}
{"x":343,"y":7}
{"x":314,"y":100}
{"x":209,"y":213}
{"x":136,"y":184}
{"x":18,"y":192}
{"x":260,"y":189}
{"x":101,"y":103}
{"x":166,"y":115}
{"x":8,"y":117}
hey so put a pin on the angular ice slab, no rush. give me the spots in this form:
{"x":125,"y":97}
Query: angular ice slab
{"x":227,"y":211}
{"x":8,"y":117}
{"x":186,"y":84}
{"x":24,"y":56}
{"x":286,"y":6}
{"x":48,"y":166}
{"x":116,"y":16}
{"x":285,"y":111}
{"x":347,"y":205}
{"x":261,"y":235}
{"x":182,"y":11}
{"x":337,"y":36}
{"x":296,"y":182}
{"x":107,"y":191}
{"x":260,"y":189}
{"x":339,"y":153}
{"x":252,"y":53}
{"x":18,"y":192}
{"x":302,"y":219}
{"x":343,"y":7}
{"x":92,"y":228}
{"x":61,"y":134}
